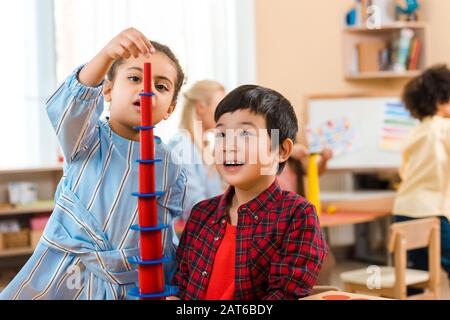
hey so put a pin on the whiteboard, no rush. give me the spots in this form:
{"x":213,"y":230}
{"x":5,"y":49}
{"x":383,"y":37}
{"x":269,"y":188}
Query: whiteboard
{"x":366,"y":115}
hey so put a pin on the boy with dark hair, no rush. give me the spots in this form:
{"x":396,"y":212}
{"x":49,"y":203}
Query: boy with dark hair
{"x":256,"y":241}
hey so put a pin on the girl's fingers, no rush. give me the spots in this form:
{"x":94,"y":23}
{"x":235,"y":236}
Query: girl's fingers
{"x":141,"y":38}
{"x":128,"y":45}
{"x":123,"y":52}
{"x":138,"y":40}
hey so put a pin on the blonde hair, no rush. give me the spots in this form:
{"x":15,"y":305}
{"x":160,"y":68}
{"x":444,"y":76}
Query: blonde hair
{"x":201,"y":91}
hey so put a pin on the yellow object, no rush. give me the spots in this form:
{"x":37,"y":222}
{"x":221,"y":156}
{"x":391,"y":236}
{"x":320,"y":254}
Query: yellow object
{"x":313,"y":193}
{"x":331,"y":209}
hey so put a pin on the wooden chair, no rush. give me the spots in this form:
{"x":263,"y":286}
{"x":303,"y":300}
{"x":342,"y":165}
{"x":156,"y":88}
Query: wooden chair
{"x":393,"y":281}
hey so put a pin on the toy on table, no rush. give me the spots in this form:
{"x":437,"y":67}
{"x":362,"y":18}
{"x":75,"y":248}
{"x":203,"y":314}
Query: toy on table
{"x":150,"y":263}
{"x":313,"y":191}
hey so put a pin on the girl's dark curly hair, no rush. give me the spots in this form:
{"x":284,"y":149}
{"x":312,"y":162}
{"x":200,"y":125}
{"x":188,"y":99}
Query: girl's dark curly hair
{"x":423,"y":94}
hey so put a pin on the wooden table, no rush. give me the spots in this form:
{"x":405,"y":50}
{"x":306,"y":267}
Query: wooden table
{"x":353,"y":208}
{"x":350,"y":217}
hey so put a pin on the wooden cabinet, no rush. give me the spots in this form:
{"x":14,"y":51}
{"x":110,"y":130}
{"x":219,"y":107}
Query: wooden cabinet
{"x":46,"y":180}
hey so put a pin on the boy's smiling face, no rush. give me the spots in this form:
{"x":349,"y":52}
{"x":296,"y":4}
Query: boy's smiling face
{"x":242,"y":149}
{"x":123,"y":92}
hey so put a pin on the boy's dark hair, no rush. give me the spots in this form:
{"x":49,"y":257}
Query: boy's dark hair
{"x":423,"y":94}
{"x":159,"y":48}
{"x":276,"y":109}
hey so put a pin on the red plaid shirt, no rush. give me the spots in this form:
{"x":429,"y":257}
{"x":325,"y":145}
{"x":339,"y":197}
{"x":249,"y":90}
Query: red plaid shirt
{"x":279,"y":246}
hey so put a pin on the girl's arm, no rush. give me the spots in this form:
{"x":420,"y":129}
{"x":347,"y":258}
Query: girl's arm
{"x":76,"y":106}
{"x":325,"y":155}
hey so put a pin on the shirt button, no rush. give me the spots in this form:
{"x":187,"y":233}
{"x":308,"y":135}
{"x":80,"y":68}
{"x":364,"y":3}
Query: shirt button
{"x":204,"y":273}
{"x":223,"y":221}
{"x":214,"y":221}
{"x":216,"y":238}
{"x":256,"y":217}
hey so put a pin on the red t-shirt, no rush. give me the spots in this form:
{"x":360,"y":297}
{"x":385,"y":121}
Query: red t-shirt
{"x":221,"y":283}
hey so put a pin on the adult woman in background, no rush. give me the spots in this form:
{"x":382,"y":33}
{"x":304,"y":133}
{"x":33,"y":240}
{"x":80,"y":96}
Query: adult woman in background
{"x":200,"y":103}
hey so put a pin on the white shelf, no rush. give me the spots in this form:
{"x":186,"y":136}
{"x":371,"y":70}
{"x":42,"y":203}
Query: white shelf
{"x":55,"y":168}
{"x":383,"y":75}
{"x":11,"y":211}
{"x":16,"y":252}
{"x":388,"y":27}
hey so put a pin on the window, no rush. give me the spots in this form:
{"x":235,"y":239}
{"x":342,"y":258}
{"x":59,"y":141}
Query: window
{"x":27,"y":77}
{"x":204,"y":35}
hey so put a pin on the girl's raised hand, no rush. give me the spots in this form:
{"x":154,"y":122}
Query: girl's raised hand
{"x":128,"y":43}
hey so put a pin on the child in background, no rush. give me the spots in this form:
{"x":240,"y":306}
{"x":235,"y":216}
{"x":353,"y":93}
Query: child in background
{"x":200,"y":103}
{"x":84,"y":249}
{"x":425,"y":172}
{"x":256,"y":241}
{"x":292,"y":177}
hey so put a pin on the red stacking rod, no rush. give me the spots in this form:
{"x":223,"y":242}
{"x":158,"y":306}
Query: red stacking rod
{"x":151,"y":278}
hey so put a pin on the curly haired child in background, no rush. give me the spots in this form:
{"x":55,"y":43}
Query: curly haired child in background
{"x":425,"y":172}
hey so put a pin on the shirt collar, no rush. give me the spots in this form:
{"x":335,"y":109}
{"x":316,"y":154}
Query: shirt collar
{"x":262,"y":203}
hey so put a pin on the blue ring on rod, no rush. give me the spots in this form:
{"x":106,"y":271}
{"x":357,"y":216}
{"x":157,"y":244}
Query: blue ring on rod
{"x":137,"y":260}
{"x":148,"y":195}
{"x":168,"y":291}
{"x":143,"y":128}
{"x":136,"y":227}
{"x":147,"y":94}
{"x":149,"y":161}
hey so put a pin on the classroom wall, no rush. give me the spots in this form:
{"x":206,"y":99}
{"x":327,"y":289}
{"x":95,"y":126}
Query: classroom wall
{"x":299,"y":47}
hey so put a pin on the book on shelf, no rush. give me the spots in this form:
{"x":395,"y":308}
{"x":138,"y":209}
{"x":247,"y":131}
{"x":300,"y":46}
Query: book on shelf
{"x":399,"y":54}
{"x":414,"y":55}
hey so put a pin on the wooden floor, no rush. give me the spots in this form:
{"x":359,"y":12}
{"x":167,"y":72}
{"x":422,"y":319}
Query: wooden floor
{"x":347,"y":265}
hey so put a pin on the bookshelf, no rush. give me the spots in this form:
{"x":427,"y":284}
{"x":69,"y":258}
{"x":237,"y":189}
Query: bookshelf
{"x":363,"y":49}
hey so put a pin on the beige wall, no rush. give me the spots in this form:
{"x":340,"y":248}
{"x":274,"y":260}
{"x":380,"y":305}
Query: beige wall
{"x":299,"y":47}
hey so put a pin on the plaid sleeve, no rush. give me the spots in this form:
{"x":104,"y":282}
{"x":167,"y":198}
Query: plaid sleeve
{"x":181,"y":276}
{"x":296,"y":265}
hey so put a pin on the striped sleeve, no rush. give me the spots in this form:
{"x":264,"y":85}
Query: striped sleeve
{"x":41,"y":276}
{"x":74,"y":110}
{"x":175,"y":197}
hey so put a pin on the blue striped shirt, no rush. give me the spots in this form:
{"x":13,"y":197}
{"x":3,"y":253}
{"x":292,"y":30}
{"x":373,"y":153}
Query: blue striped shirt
{"x":84,"y":249}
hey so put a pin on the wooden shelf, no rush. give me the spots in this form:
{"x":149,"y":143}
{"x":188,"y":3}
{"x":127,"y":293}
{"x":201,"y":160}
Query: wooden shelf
{"x":55,"y":168}
{"x":12,"y":211}
{"x":383,"y":75}
{"x":16,"y":252}
{"x":388,"y":27}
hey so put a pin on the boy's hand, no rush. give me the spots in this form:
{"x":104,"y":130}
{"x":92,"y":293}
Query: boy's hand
{"x":299,"y":152}
{"x":172,"y":298}
{"x":129,"y":42}
{"x":326,"y":154}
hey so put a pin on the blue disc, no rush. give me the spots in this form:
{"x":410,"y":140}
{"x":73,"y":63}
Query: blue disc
{"x":147,"y":94}
{"x":148,"y":195}
{"x":168,"y":291}
{"x":137,"y":260}
{"x":156,"y":228}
